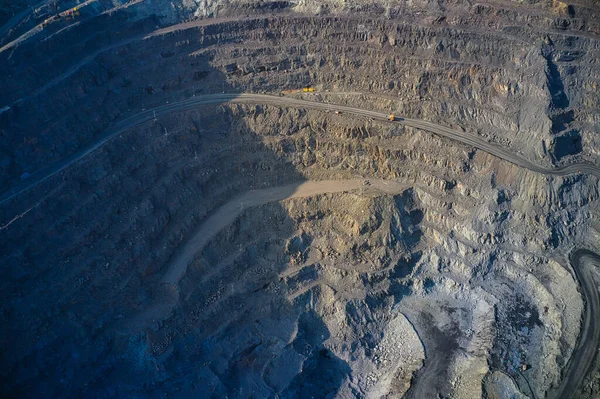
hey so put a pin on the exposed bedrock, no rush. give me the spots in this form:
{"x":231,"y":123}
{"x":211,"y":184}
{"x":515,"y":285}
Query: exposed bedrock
{"x":508,"y":90}
{"x":425,"y":268}
{"x":446,"y":267}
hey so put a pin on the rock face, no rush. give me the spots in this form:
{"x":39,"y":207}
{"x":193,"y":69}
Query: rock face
{"x":447,"y":278}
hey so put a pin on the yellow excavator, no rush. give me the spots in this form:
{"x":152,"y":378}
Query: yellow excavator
{"x":392,"y":117}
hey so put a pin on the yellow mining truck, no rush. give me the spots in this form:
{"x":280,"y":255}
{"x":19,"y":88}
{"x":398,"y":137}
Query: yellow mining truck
{"x":392,"y":117}
{"x":307,"y":89}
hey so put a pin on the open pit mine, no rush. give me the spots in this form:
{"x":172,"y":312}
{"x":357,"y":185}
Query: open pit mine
{"x":299,"y":199}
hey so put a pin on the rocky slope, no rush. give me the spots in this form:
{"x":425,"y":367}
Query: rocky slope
{"x":457,"y":284}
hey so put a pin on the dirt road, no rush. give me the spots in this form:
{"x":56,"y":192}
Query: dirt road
{"x":583,"y":261}
{"x":227,"y":213}
{"x":225,"y":216}
{"x":148,"y":115}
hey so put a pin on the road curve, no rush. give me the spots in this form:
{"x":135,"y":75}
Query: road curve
{"x":148,"y":115}
{"x":582,"y":359}
{"x":223,"y":217}
{"x":589,"y":337}
{"x":226,"y":214}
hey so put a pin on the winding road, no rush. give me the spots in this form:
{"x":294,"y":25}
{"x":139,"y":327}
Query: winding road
{"x":190,"y":103}
{"x":584,"y":354}
{"x":227,"y":213}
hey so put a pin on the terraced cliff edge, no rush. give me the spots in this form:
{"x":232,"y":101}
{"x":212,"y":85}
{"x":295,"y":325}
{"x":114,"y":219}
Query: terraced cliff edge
{"x":295,"y":199}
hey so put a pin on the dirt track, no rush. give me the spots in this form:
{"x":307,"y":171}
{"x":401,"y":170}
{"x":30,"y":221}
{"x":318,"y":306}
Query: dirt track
{"x":583,"y":356}
{"x":226,"y":244}
{"x":226,"y":214}
{"x":148,"y":115}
